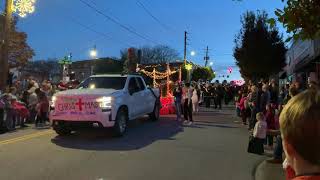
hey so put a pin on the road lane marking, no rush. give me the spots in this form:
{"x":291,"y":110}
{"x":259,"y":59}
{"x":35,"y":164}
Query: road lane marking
{"x":26,"y":137}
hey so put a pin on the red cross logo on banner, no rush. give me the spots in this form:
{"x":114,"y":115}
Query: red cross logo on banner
{"x":80,"y":104}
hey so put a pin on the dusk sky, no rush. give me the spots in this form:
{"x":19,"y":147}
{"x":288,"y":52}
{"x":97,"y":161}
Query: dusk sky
{"x":59,"y":27}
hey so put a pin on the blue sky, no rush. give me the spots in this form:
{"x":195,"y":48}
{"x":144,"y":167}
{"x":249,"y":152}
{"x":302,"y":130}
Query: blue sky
{"x":54,"y":29}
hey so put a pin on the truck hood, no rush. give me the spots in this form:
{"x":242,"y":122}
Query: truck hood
{"x":87,"y":92}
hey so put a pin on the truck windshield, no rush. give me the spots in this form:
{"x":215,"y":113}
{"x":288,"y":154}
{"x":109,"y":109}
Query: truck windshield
{"x":116,"y":83}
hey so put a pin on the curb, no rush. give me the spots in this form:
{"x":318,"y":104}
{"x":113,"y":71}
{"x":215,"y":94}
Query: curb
{"x":266,"y":171}
{"x":254,"y":170}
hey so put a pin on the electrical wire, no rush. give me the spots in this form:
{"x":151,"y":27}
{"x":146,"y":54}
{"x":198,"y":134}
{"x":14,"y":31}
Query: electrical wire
{"x":106,"y":36}
{"x":152,"y":16}
{"x":117,"y":22}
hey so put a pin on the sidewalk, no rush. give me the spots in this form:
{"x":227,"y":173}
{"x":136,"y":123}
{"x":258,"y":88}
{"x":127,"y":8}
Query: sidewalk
{"x":264,"y":171}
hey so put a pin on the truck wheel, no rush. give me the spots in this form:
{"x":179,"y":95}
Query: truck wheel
{"x":120,"y":125}
{"x":62,"y":131}
{"x":154,"y":116}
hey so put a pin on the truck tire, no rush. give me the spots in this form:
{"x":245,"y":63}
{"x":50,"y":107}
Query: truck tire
{"x":62,"y":131}
{"x":155,"y":115}
{"x":120,"y":126}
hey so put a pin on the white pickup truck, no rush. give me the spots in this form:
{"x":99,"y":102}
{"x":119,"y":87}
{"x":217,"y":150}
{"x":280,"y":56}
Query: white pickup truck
{"x":104,"y":101}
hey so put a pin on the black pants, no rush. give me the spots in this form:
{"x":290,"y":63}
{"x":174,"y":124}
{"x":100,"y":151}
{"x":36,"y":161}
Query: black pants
{"x":187,"y":110}
{"x":256,"y":146}
{"x":217,"y":102}
{"x":42,"y":118}
{"x":278,"y":150}
{"x":244,"y":115}
{"x":1,"y":119}
{"x":207,"y":101}
{"x":270,"y":140}
{"x":253,"y":119}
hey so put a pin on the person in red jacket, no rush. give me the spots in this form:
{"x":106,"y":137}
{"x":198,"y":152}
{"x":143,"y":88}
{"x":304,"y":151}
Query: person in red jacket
{"x":244,"y":108}
{"x":300,"y":129}
{"x":270,"y":118}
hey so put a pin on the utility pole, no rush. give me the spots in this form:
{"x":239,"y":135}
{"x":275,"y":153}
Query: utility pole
{"x":185,"y":47}
{"x":4,"y":64}
{"x":206,"y":58}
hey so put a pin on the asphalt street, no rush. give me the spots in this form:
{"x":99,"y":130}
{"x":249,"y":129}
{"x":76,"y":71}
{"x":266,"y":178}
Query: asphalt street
{"x":213,"y":148}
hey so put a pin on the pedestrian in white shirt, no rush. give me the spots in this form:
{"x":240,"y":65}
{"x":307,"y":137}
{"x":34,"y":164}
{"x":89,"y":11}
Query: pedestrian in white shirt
{"x":195,"y":99}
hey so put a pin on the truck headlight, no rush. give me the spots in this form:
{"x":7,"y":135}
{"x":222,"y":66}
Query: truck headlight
{"x":53,"y":101}
{"x":105,"y":102}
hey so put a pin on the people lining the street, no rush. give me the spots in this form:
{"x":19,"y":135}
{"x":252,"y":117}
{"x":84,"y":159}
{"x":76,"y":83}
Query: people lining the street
{"x":19,"y":102}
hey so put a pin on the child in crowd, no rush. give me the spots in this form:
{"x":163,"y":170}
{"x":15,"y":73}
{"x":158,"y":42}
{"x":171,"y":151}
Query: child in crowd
{"x":300,"y":129}
{"x":260,"y":133}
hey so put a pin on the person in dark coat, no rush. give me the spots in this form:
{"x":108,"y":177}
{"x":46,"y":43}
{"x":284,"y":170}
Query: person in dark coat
{"x":264,"y":98}
{"x":253,"y":103}
{"x":207,"y":94}
{"x":274,"y":93}
{"x":218,"y":95}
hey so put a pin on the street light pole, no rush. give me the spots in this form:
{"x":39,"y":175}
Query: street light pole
{"x":4,"y":64}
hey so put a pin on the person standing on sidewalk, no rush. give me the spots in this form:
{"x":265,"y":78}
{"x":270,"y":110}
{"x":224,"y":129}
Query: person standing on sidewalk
{"x":187,"y":104}
{"x":42,"y":110}
{"x":278,"y":150}
{"x":300,"y":129}
{"x":264,"y":98}
{"x":195,"y":99}
{"x":177,"y":93}
{"x":260,"y":133}
{"x":253,"y":102}
{"x":207,"y":95}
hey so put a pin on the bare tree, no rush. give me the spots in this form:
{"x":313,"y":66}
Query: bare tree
{"x":158,"y":54}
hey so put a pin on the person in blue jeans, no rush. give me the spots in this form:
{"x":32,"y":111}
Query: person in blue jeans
{"x":177,"y":93}
{"x":277,"y":151}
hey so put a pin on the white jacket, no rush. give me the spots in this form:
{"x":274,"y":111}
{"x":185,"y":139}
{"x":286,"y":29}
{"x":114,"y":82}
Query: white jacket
{"x":260,"y":130}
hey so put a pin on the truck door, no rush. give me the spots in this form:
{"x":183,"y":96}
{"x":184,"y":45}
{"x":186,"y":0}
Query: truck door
{"x":133,"y":98}
{"x":144,"y":97}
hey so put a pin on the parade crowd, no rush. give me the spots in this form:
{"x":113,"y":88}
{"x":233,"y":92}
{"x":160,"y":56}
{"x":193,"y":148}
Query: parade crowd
{"x":26,"y":102}
{"x":284,"y":120}
{"x":189,"y":96}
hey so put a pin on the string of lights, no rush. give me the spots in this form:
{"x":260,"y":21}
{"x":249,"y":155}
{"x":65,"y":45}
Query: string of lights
{"x":150,"y":66}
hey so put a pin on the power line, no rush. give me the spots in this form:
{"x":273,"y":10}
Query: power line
{"x":151,"y":15}
{"x":97,"y":32}
{"x":117,"y":22}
